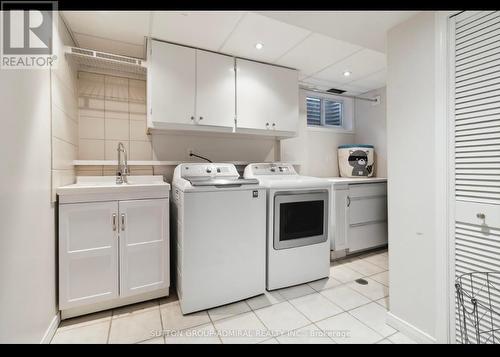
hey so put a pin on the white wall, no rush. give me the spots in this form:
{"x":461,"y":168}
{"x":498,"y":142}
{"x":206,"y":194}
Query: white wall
{"x":38,"y":141}
{"x":27,"y":237}
{"x":411,"y":162}
{"x":64,"y":114}
{"x":371,"y":127}
{"x":315,"y":149}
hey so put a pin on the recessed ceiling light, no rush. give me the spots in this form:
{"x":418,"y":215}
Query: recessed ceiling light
{"x":347,"y":74}
{"x":259,"y":46}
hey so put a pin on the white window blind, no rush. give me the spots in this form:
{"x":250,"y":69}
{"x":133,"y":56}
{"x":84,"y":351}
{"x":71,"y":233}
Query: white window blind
{"x":477,"y":153}
{"x":324,"y":112}
{"x":313,"y":111}
{"x":333,"y":113}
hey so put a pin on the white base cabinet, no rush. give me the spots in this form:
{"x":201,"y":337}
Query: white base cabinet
{"x":112,"y":250}
{"x":359,"y":216}
{"x":88,"y":253}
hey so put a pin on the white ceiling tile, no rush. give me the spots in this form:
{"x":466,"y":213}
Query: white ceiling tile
{"x":110,"y":46}
{"x":203,"y":29}
{"x":372,"y":81}
{"x":363,"y":28}
{"x":125,"y":26}
{"x":277,"y":38}
{"x":325,"y":85}
{"x":360,"y":64}
{"x":316,"y":52}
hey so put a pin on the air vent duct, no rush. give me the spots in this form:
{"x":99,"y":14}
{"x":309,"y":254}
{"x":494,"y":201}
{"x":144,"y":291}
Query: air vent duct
{"x":335,"y":91}
{"x":86,"y":58}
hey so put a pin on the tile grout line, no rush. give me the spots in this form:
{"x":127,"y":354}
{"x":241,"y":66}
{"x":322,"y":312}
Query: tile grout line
{"x":109,"y":328}
{"x":263,"y":324}
{"x":313,"y":322}
{"x":215,"y":328}
{"x":364,"y":324}
{"x":161,"y":322}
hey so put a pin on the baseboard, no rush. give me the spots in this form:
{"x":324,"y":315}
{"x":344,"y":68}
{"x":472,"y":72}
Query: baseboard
{"x":51,"y":330}
{"x":409,"y":330}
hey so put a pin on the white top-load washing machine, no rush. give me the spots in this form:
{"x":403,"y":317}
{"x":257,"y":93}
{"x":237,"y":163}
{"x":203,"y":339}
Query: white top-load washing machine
{"x":219,"y":235}
{"x":298,"y":246}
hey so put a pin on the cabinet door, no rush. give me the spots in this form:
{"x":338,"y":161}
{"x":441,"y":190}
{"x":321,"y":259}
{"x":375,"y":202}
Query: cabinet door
{"x":144,"y":247}
{"x":367,"y":216}
{"x":171,"y":75}
{"x":339,"y":222}
{"x":88,"y":253}
{"x":267,"y":97}
{"x":215,"y":89}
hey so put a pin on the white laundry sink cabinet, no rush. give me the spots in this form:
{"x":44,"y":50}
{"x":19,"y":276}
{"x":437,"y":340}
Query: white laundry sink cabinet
{"x":113,"y":243}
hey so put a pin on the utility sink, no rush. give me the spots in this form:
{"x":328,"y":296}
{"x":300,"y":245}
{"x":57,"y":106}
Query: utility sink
{"x":105,"y":188}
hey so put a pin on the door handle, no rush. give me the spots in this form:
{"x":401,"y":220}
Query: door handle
{"x":123,"y":222}
{"x":481,"y":216}
{"x":348,"y":201}
{"x":201,"y":118}
{"x":114,"y":222}
{"x":267,"y":125}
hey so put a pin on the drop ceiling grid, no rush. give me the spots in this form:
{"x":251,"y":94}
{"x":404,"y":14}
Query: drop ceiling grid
{"x":277,"y":38}
{"x":318,"y":57}
{"x":207,"y":30}
{"x":363,"y":64}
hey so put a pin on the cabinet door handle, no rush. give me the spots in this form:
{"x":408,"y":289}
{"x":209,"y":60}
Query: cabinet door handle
{"x":267,"y":125}
{"x":114,"y":221}
{"x":348,"y":201}
{"x":274,"y":124}
{"x":192,"y":118}
{"x":481,"y":216}
{"x":123,"y":222}
{"x":201,"y":118}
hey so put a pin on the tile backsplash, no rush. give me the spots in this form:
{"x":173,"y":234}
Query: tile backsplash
{"x":112,"y":110}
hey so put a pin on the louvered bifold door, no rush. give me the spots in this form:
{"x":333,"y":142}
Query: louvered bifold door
{"x":477,"y":161}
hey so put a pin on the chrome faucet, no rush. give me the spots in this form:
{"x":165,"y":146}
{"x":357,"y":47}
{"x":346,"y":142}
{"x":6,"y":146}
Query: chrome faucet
{"x":122,"y":173}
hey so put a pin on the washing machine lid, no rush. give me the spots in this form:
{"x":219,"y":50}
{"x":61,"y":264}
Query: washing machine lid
{"x":222,"y":182}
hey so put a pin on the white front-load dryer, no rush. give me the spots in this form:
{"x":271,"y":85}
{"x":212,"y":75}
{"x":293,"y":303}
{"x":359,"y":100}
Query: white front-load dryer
{"x":298,"y":245}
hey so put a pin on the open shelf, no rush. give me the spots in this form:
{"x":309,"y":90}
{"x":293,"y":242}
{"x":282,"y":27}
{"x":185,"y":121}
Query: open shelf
{"x":150,"y":163}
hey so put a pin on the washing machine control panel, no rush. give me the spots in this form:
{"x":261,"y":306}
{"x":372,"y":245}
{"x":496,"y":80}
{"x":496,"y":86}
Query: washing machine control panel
{"x":208,"y":170}
{"x":273,"y":169}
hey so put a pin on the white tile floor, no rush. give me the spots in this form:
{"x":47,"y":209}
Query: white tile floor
{"x":332,"y":310}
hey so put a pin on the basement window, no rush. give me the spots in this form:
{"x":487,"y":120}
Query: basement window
{"x":324,"y":112}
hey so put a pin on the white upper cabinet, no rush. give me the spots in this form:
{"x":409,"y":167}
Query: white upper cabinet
{"x":172,"y":84}
{"x":215,"y":89}
{"x":192,"y":89}
{"x":267,"y":97}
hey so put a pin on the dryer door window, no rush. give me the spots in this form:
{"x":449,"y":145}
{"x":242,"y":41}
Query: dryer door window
{"x":300,"y":219}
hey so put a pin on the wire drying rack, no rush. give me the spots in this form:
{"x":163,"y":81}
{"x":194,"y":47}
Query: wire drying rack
{"x":478,"y":307}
